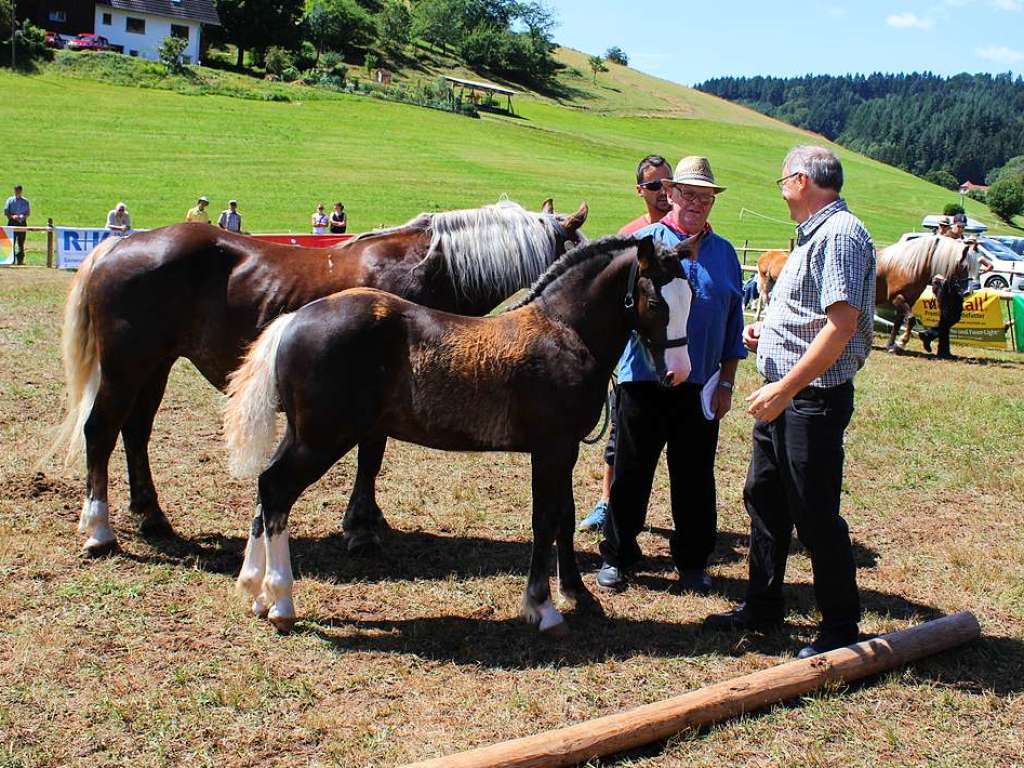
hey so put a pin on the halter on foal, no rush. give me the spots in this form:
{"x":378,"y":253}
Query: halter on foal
{"x":363,"y":364}
{"x":196,"y":291}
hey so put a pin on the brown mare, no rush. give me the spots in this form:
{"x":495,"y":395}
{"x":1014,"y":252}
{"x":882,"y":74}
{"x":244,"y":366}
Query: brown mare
{"x":905,"y":269}
{"x":363,"y":365}
{"x":199,"y":292}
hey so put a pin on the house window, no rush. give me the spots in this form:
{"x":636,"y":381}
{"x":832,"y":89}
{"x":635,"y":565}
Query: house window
{"x":137,"y":26}
{"x":58,"y":16}
{"x":179,"y":30}
{"x":107,"y":19}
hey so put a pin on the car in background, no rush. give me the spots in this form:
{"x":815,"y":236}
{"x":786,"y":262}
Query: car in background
{"x":54,"y":40}
{"x":1013,"y":242}
{"x":1007,"y":271}
{"x":87,"y":41}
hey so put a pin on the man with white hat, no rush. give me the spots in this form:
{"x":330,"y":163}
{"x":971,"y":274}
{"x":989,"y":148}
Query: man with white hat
{"x":651,"y":417}
{"x":119,"y":221}
{"x":230,"y":219}
{"x":197,"y":213}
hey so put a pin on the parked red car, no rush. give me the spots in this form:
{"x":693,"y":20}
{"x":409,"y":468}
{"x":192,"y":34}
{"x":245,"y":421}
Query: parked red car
{"x":87,"y":41}
{"x":54,"y":40}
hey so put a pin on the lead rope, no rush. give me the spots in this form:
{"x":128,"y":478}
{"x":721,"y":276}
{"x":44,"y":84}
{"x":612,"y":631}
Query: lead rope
{"x":604,"y":426}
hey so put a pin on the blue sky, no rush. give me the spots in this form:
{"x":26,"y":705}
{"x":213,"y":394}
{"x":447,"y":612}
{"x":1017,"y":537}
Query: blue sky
{"x":689,"y":42}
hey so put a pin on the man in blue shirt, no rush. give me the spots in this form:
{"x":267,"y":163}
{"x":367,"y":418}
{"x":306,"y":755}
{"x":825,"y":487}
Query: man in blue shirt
{"x":651,"y":417}
{"x":17,"y":211}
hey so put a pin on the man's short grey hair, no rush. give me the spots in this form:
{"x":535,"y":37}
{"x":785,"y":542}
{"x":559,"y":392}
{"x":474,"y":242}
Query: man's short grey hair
{"x":821,"y":165}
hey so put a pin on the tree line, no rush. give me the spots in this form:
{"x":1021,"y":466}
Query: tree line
{"x":946,"y":129}
{"x":508,"y":38}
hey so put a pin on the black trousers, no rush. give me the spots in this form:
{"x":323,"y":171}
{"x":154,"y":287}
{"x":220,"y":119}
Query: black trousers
{"x":795,"y":479}
{"x":19,"y":242}
{"x":649,"y":418}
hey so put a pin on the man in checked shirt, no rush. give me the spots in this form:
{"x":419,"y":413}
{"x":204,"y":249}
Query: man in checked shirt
{"x":814,"y":338}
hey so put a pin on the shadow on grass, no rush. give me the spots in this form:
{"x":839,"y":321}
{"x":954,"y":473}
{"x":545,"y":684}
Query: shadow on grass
{"x":990,"y":362}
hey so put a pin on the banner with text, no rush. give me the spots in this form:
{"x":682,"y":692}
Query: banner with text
{"x":6,"y":246}
{"x":982,"y":324}
{"x":74,"y":244}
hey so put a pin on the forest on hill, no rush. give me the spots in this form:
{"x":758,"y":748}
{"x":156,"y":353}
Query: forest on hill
{"x":945,"y":129}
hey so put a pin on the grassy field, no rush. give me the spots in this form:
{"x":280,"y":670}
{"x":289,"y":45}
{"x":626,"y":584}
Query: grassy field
{"x":83,"y":145}
{"x":149,"y":659}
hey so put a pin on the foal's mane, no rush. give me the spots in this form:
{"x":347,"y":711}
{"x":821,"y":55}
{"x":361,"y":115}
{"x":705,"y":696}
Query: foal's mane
{"x":605,"y":248}
{"x":501,"y":247}
{"x":923,"y":257}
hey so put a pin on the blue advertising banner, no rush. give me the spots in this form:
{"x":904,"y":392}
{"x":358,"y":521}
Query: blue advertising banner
{"x":74,"y":244}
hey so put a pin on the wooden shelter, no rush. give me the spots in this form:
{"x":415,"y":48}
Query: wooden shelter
{"x":477,"y":87}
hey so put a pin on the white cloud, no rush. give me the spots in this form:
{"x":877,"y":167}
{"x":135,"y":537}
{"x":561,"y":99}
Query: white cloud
{"x":1000,"y":54}
{"x":1008,"y":5}
{"x":908,"y":20}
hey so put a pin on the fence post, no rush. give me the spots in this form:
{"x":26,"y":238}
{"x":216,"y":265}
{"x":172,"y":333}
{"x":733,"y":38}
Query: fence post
{"x":49,"y":242}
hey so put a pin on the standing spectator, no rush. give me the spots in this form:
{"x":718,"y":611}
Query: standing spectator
{"x":339,"y":221}
{"x":815,"y":336}
{"x":651,"y":173}
{"x":118,"y":220}
{"x":651,"y":417}
{"x":231,"y":219}
{"x":319,"y":220}
{"x":17,"y":210}
{"x":197,"y":213}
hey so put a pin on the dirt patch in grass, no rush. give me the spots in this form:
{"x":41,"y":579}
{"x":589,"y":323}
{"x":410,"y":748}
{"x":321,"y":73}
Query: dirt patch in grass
{"x":149,"y":658}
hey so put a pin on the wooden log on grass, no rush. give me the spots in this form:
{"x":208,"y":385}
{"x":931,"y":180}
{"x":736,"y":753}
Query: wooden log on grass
{"x":654,"y":722}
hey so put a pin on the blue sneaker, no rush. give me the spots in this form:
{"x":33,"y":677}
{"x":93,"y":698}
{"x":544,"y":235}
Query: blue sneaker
{"x":595,"y":520}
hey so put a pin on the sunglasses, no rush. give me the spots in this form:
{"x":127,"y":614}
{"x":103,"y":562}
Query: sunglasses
{"x":651,"y":186}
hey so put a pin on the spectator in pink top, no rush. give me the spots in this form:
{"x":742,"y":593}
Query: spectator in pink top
{"x":651,"y":172}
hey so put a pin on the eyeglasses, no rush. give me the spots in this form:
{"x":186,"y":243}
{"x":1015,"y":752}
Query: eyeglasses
{"x":692,"y":197}
{"x":651,"y":186}
{"x":780,"y":183}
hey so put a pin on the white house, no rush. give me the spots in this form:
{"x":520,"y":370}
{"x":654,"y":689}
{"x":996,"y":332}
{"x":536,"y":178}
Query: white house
{"x":139,"y":26}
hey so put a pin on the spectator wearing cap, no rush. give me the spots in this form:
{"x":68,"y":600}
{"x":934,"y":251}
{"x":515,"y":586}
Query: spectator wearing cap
{"x":197,"y":213}
{"x":17,"y":210}
{"x":119,"y":221}
{"x":651,"y":417}
{"x":319,"y":220}
{"x":956,"y":227}
{"x":339,"y":220}
{"x":230,"y":219}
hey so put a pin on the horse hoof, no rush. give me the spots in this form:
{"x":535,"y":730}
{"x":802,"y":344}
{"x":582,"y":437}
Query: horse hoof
{"x":557,"y":631}
{"x":97,"y":549}
{"x":364,"y":545}
{"x":154,"y":525}
{"x":283,"y":624}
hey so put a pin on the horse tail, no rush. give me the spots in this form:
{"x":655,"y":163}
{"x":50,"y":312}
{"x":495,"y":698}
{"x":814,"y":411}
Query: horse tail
{"x":80,"y":352}
{"x":250,"y":416}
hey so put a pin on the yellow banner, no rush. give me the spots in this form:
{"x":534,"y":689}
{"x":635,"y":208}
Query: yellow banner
{"x":982,"y":324}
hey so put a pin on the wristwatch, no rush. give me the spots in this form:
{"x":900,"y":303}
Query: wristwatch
{"x":726,"y":385}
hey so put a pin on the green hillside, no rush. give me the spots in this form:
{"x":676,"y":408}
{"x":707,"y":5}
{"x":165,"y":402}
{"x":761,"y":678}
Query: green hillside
{"x":83,"y":145}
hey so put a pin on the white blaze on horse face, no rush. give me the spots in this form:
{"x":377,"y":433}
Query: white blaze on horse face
{"x":95,"y":522}
{"x":277,"y":582}
{"x":677,"y":359}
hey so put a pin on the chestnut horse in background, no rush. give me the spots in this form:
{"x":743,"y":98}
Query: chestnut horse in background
{"x":769,"y":267}
{"x":905,"y":269}
{"x":202,"y":293}
{"x":362,"y":365}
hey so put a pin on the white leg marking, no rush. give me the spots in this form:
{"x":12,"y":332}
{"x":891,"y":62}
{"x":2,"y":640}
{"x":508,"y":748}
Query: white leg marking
{"x":278,"y":581}
{"x":250,"y":579}
{"x":550,"y":617}
{"x":95,"y":523}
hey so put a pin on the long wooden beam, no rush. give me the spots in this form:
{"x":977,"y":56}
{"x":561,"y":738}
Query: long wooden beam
{"x":657,"y":721}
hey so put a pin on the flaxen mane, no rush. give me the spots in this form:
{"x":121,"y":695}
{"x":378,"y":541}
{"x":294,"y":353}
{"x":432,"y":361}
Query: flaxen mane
{"x":936,"y":255}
